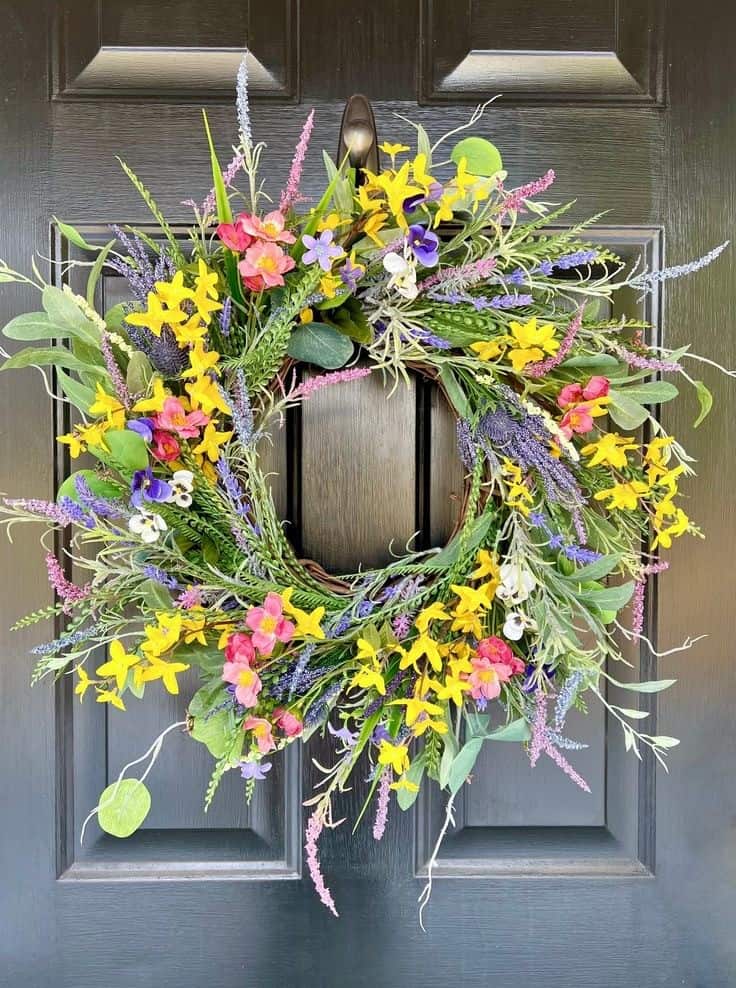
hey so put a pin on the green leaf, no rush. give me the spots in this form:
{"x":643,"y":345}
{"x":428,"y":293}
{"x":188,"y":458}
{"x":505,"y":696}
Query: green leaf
{"x":705,"y":399}
{"x":424,"y":145}
{"x":608,"y":598}
{"x":123,"y":807}
{"x":414,"y":774}
{"x":94,"y":275}
{"x":97,"y":484}
{"x":78,"y":394}
{"x":591,"y":360}
{"x":128,"y":449}
{"x":64,"y":311}
{"x":372,"y":635}
{"x":449,"y":555}
{"x":224,"y":213}
{"x":215,"y":732}
{"x":517,"y":730}
{"x":206,"y":697}
{"x":663,"y":741}
{"x":332,"y":303}
{"x":73,"y":235}
{"x":482,"y":157}
{"x":462,"y":764}
{"x":448,"y":756}
{"x":595,"y":571}
{"x":653,"y":686}
{"x":115,"y":317}
{"x":139,"y":373}
{"x":650,"y":392}
{"x":350,"y":320}
{"x":155,"y":596}
{"x":34,"y":326}
{"x":625,"y":412}
{"x":321,"y":345}
{"x":455,"y":393}
{"x":51,"y":356}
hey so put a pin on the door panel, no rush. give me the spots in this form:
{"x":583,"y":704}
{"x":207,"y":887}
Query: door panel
{"x":536,"y":882}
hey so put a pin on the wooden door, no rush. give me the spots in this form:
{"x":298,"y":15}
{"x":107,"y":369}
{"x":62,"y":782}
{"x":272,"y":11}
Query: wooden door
{"x":630,"y":101}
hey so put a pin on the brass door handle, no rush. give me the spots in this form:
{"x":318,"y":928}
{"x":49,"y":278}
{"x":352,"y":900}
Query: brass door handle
{"x":358,"y":139}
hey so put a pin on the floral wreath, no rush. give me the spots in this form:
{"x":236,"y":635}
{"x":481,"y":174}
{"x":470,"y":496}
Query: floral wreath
{"x":433,"y":264}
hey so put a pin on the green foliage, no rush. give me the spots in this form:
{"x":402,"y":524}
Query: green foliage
{"x":123,"y":807}
{"x":319,"y":344}
{"x":482,"y":157}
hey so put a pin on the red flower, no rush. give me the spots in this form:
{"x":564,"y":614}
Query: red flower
{"x":165,"y":446}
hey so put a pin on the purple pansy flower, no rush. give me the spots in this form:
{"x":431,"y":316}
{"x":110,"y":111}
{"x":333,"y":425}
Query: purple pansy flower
{"x":146,"y":487}
{"x":435,"y":192}
{"x":144,"y":428}
{"x":424,"y":245}
{"x":321,"y":249}
{"x":254,"y":770}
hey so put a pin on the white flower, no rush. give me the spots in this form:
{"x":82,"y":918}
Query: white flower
{"x":403,"y":273}
{"x":516,"y":624}
{"x":516,"y":583}
{"x":148,"y":525}
{"x":182,"y":484}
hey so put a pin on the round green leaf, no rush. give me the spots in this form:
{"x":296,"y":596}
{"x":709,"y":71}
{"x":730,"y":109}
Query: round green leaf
{"x":98,"y":486}
{"x":481,"y":157}
{"x":321,"y":345}
{"x":128,"y":448}
{"x":139,"y":373}
{"x":123,"y":807}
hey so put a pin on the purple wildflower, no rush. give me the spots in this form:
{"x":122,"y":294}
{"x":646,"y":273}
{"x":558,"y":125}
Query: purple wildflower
{"x":509,"y":301}
{"x":644,"y":363}
{"x":401,"y":625}
{"x":350,"y":274}
{"x":321,"y":249}
{"x":340,"y":626}
{"x":159,"y":575}
{"x":147,"y":487}
{"x":465,"y":444}
{"x":227,"y":308}
{"x":75,"y":511}
{"x":144,"y":428}
{"x":190,"y":598}
{"x":391,"y":688}
{"x":575,"y":259}
{"x":47,"y":509}
{"x":647,"y":280}
{"x":116,"y":375}
{"x":241,"y":101}
{"x":424,"y":245}
{"x":101,"y":506}
{"x":320,"y":708}
{"x":66,"y":641}
{"x":241,"y":410}
{"x":566,"y":696}
{"x":466,"y":274}
{"x":290,"y":195}
{"x":208,"y":206}
{"x":344,"y":733}
{"x":254,"y":769}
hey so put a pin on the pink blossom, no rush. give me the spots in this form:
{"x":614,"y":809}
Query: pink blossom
{"x":270,"y":228}
{"x":542,"y":367}
{"x":319,"y":381}
{"x":268,"y":624}
{"x":517,"y":196}
{"x":174,"y":418}
{"x":485,"y":681}
{"x":577,"y":419}
{"x":264,"y":266}
{"x":288,"y":722}
{"x":240,"y":648}
{"x":261,"y":733}
{"x":571,"y":394}
{"x":234,"y":235}
{"x":165,"y":446}
{"x":246,"y":681}
{"x":500,"y":655}
{"x":597,"y":387}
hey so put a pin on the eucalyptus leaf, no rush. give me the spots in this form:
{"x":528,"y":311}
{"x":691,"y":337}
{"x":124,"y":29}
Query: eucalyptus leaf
{"x":139,"y":373}
{"x":424,"y":145}
{"x":625,"y":412}
{"x":449,"y":752}
{"x":78,"y":394}
{"x":64,"y":311}
{"x":462,"y":764}
{"x":34,"y":326}
{"x":115,"y":317}
{"x":517,"y":730}
{"x":51,"y":357}
{"x":321,"y":345}
{"x":97,"y":484}
{"x":455,"y":393}
{"x":596,"y":570}
{"x":663,"y":741}
{"x":591,"y":360}
{"x":155,"y":596}
{"x":608,"y":598}
{"x":205,"y":698}
{"x":215,"y":732}
{"x":481,"y":157}
{"x":449,"y":555}
{"x":123,"y":807}
{"x":705,"y":399}
{"x":650,"y":392}
{"x":128,"y":449}
{"x":652,"y":686}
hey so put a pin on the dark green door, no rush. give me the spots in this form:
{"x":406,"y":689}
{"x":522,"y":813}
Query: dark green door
{"x":631,"y":102}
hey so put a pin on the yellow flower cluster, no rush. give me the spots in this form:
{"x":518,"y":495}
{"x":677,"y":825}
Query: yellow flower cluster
{"x":526,"y":343}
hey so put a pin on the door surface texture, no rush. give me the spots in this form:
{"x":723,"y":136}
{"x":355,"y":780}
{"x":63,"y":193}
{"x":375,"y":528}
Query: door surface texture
{"x":631,"y":102}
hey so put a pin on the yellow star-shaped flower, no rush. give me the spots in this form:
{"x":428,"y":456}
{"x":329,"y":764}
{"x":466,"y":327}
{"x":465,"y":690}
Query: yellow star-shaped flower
{"x":610,"y":450}
{"x":156,"y":402}
{"x":405,"y":784}
{"x":74,"y":442}
{"x":444,"y":212}
{"x":487,"y":349}
{"x":206,"y":281}
{"x":156,"y":316}
{"x":422,"y":647}
{"x":435,"y":612}
{"x":191,"y":331}
{"x":420,"y":174}
{"x":393,"y":149}
{"x":84,"y":682}
{"x":452,"y":689}
{"x":108,"y":696}
{"x":487,"y":566}
{"x":530,"y":342}
{"x":162,"y":636}
{"x":307,"y":624}
{"x":470,"y":600}
{"x":109,"y":406}
{"x":165,"y":671}
{"x":118,"y":664}
{"x":370,"y":678}
{"x":416,"y":707}
{"x":211,"y":442}
{"x":623,"y":496}
{"x":173,"y":293}
{"x":395,"y":755}
{"x":205,"y":394}
{"x":201,"y":360}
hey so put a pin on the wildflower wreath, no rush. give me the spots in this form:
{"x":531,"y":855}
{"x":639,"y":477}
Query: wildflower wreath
{"x":432,"y":263}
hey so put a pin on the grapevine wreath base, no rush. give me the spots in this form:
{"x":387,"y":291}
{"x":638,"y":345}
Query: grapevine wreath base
{"x":168,"y":553}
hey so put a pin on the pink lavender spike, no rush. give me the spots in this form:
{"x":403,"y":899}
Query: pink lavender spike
{"x":116,"y":375}
{"x":545,"y":366}
{"x":384,"y":792}
{"x":637,"y":603}
{"x":208,"y":206}
{"x":313,"y":384}
{"x":66,"y":591}
{"x":469,"y":273}
{"x":559,"y":759}
{"x":516,"y":197}
{"x":290,"y":195}
{"x":315,"y":825}
{"x":644,"y":363}
{"x":539,"y":728}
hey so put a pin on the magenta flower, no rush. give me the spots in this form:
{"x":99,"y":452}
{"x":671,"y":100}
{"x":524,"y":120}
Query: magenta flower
{"x":268,"y":624}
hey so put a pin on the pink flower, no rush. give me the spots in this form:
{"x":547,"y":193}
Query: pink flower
{"x":578,"y":419}
{"x":240,"y":649}
{"x":288,"y":722}
{"x":268,"y":624}
{"x":484,"y":680}
{"x":234,"y":235}
{"x":173,"y":418}
{"x":571,"y":394}
{"x":261,"y":733}
{"x":264,"y":266}
{"x":500,"y":656}
{"x":247,"y":682}
{"x":270,"y":228}
{"x":165,"y":446}
{"x":597,"y":387}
